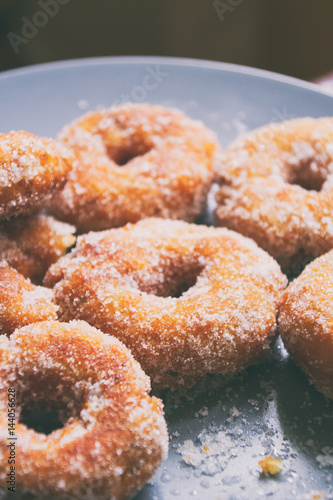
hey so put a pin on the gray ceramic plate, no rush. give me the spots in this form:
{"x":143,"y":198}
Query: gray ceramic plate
{"x":221,"y":428}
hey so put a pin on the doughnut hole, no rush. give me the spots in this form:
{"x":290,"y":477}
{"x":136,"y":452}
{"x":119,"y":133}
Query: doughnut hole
{"x":310,"y":173}
{"x":175,"y":277}
{"x":46,"y":403}
{"x":123,"y":150}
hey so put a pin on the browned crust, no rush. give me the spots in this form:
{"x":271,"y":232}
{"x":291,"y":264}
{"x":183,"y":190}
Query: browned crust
{"x":21,"y":302}
{"x":32,"y":170}
{"x":116,"y":439}
{"x":306,"y":322}
{"x":276,"y":186}
{"x":121,"y":281}
{"x":168,"y":173}
{"x":32,"y":244}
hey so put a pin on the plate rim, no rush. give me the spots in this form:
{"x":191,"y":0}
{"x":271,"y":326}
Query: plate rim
{"x":171,"y":464}
{"x":166,"y":60}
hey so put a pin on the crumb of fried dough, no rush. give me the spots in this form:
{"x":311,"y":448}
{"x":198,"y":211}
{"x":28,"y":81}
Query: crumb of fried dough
{"x":271,"y":465}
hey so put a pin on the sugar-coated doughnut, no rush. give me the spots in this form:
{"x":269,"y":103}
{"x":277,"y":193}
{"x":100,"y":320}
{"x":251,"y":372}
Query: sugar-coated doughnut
{"x":306,"y":322}
{"x":186,"y":299}
{"x":277,"y":188}
{"x":111,"y":434}
{"x":32,"y":244}
{"x":32,"y":170}
{"x":135,"y":161}
{"x":21,"y":302}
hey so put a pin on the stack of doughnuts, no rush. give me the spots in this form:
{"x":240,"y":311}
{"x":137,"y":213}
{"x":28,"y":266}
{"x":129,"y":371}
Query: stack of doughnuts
{"x":110,"y":431}
{"x":144,"y":284}
{"x":276,"y":186}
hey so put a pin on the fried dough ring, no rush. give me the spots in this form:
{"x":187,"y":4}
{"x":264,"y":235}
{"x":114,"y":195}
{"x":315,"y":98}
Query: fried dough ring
{"x":135,"y":161}
{"x":277,"y":188}
{"x":32,"y":170}
{"x":114,"y":435}
{"x":306,"y":322}
{"x":21,"y":302}
{"x":32,"y":244}
{"x":186,"y":299}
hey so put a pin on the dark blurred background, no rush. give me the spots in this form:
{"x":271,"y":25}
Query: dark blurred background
{"x":294,"y":37}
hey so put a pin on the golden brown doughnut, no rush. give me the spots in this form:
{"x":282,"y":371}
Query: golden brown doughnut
{"x":186,"y":299}
{"x":21,"y":302}
{"x":277,"y":188}
{"x":135,"y":161}
{"x":32,"y":244}
{"x":306,"y":322}
{"x":32,"y":170}
{"x":111,"y":434}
